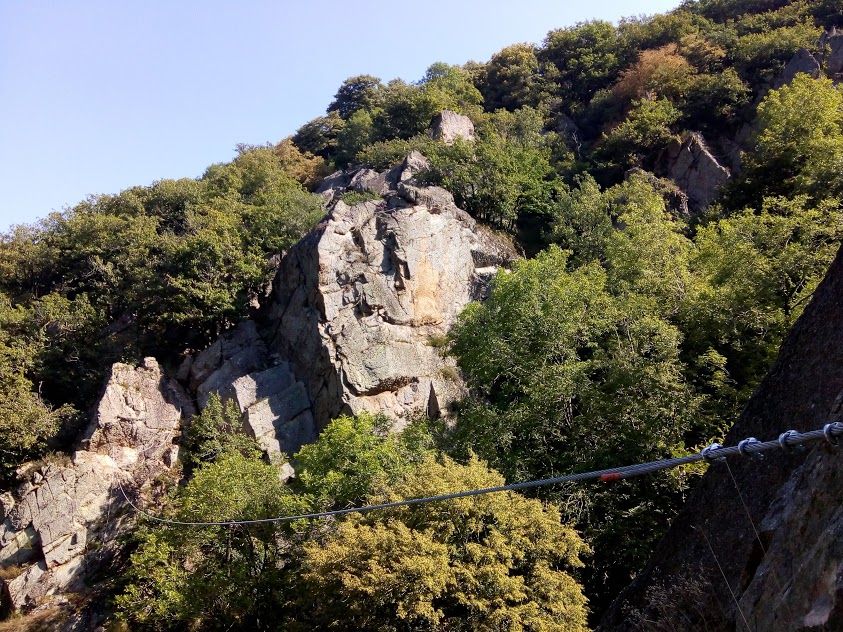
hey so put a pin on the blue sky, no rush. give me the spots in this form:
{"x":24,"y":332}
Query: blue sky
{"x":96,"y":96}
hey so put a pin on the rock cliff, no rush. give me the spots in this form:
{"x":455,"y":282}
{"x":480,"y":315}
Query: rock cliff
{"x":62,"y":521}
{"x":357,"y":312}
{"x":695,"y":170}
{"x":788,"y":575}
{"x":354,"y":321}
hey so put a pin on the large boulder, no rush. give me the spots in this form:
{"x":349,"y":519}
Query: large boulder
{"x":833,"y":43}
{"x":692,"y":166}
{"x":360,"y":305}
{"x":448,"y":126}
{"x":60,"y":524}
{"x":759,"y":544}
{"x":357,"y":313}
{"x":803,"y":61}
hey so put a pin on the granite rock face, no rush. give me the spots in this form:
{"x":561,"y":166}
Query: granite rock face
{"x":56,"y":523}
{"x":787,"y":575}
{"x":832,"y":42}
{"x":448,"y":126}
{"x":238,"y":366}
{"x":695,"y":170}
{"x":356,"y":312}
{"x":359,"y":304}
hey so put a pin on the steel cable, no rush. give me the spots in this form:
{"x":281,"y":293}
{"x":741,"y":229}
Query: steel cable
{"x":786,"y":441}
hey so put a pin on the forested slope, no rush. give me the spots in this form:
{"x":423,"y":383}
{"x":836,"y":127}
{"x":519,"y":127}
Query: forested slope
{"x":675,"y":185}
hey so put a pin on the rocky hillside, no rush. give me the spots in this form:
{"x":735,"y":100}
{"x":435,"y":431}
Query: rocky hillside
{"x":580,"y":253}
{"x":350,"y":325}
{"x":62,"y":523}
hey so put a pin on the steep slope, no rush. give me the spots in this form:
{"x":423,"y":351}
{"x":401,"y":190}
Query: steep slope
{"x":789,"y":576}
{"x":61,"y":524}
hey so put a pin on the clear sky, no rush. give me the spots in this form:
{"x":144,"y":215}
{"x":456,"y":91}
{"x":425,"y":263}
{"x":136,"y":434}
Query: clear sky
{"x":96,"y":96}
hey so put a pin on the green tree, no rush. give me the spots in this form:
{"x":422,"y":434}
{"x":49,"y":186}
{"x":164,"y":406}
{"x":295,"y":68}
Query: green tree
{"x":582,"y":59}
{"x":568,"y":375}
{"x":361,"y":92}
{"x":648,"y":256}
{"x":487,"y":563}
{"x":352,"y":455}
{"x":451,"y":88}
{"x":582,"y":222}
{"x":319,"y":136}
{"x":406,"y":110}
{"x":152,"y":270}
{"x":753,"y":275}
{"x":759,"y":56}
{"x":512,"y":78}
{"x":646,"y":129}
{"x":26,"y":422}
{"x":215,"y":578}
{"x":499,"y":176}
{"x":799,"y":145}
{"x":215,"y":431}
{"x":358,"y":133}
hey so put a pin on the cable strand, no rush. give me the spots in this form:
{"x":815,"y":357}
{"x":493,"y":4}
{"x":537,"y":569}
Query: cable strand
{"x":829,"y":432}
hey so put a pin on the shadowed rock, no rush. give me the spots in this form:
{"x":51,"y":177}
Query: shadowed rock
{"x":695,"y":170}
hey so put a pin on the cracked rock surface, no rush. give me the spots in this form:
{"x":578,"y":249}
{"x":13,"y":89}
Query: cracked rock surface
{"x":359,"y":306}
{"x":357,"y":312}
{"x":58,"y":524}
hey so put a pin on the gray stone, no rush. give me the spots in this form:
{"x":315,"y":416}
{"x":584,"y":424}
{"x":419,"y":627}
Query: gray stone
{"x":66,"y":503}
{"x":834,"y":59}
{"x":803,"y":61}
{"x":286,"y":472}
{"x":368,"y":180}
{"x":277,"y":422}
{"x":7,"y":501}
{"x":236,"y":353}
{"x":431,"y":197}
{"x":692,"y":166}
{"x":357,"y":303}
{"x":19,"y":546}
{"x":250,"y":388}
{"x":336,"y":181}
{"x":25,"y":589}
{"x":413,"y":164}
{"x":448,"y":126}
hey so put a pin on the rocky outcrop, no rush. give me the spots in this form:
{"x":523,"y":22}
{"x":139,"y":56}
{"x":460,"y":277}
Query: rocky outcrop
{"x":692,"y":166}
{"x":357,"y":312}
{"x":354,"y":321}
{"x":802,"y":62}
{"x":832,"y":44}
{"x":448,"y":126}
{"x":788,"y":575}
{"x":274,"y":404}
{"x":359,"y":306}
{"x":58,"y":524}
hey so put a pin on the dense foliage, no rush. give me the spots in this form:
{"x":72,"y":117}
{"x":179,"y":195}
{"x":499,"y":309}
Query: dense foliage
{"x":503,"y":560}
{"x":151,"y":271}
{"x":635,"y":329}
